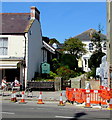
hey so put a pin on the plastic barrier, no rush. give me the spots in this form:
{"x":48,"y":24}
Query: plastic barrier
{"x":78,"y":96}
{"x":69,"y":94}
{"x":95,"y":96}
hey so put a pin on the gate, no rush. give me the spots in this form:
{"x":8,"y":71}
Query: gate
{"x":65,"y":83}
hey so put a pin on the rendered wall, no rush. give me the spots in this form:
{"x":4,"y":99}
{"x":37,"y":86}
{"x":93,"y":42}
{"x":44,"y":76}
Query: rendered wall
{"x":34,"y":50}
{"x":15,"y":45}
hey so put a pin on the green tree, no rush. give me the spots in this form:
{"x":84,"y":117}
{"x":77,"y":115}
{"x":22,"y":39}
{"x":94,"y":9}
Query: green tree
{"x":53,"y":40}
{"x":55,"y":64}
{"x":97,"y":38}
{"x":95,"y":59}
{"x":74,"y":46}
{"x":46,"y":39}
{"x":69,"y":60}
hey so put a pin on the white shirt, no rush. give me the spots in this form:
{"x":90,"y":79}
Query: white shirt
{"x":16,"y":82}
{"x":3,"y":82}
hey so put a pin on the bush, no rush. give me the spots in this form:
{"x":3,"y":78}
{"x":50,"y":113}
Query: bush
{"x":52,"y":74}
{"x":65,"y":72}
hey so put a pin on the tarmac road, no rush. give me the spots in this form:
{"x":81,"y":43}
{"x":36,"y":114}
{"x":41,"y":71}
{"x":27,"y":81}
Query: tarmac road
{"x":51,"y":110}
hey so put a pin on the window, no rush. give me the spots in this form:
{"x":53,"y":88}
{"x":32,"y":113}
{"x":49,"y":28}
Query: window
{"x":104,"y":46}
{"x":90,"y":46}
{"x":3,"y":46}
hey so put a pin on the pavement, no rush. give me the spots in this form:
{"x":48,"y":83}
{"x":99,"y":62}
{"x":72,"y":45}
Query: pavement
{"x":34,"y":95}
{"x":47,"y":96}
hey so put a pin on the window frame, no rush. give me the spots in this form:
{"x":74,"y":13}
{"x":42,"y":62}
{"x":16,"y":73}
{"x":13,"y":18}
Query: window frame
{"x":4,"y":46}
{"x":91,"y":46}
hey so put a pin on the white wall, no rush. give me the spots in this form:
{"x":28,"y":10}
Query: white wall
{"x":34,"y":50}
{"x":15,"y":45}
{"x":88,"y":54}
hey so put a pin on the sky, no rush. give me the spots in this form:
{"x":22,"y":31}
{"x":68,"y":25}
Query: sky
{"x":62,"y":20}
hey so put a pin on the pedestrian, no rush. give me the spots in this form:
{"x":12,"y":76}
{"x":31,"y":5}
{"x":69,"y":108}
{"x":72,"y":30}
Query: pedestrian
{"x":4,"y":82}
{"x":16,"y":82}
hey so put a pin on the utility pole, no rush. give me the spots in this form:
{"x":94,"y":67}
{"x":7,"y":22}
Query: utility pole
{"x":109,"y":38}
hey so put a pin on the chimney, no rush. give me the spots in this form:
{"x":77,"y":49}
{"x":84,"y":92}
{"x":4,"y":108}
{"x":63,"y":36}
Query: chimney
{"x":35,"y":13}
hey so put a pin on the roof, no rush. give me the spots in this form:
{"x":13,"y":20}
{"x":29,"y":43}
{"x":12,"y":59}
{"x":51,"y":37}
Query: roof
{"x":85,"y":36}
{"x":48,"y":47}
{"x":14,"y":23}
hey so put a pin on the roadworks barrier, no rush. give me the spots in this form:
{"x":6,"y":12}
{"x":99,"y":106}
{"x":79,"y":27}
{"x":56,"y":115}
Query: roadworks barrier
{"x":101,"y":98}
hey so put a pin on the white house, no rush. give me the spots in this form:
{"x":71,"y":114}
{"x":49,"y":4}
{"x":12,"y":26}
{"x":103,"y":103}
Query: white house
{"x":20,"y":45}
{"x":85,"y":37}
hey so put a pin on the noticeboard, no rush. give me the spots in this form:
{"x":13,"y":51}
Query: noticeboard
{"x":45,"y":68}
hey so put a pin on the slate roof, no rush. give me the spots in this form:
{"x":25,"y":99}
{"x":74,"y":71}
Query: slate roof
{"x":14,"y":23}
{"x":85,"y":36}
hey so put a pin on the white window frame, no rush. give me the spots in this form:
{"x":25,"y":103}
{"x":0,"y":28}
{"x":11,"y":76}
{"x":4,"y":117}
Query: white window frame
{"x":4,"y":46}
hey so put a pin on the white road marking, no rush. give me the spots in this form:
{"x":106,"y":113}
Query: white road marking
{"x":63,"y":117}
{"x":40,"y":108}
{"x":8,"y":113}
{"x":30,"y":108}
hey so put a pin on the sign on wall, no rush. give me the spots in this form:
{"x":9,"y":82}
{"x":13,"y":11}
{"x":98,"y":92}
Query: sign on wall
{"x":45,"y":68}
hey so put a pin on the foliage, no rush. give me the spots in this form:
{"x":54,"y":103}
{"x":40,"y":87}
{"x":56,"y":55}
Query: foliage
{"x":46,"y":39}
{"x":55,"y":64}
{"x":69,"y":60}
{"x":53,"y":40}
{"x":74,"y":46}
{"x":95,"y":59}
{"x":44,"y":80}
{"x":94,"y":62}
{"x":52,"y":74}
{"x":65,"y":72}
{"x":97,"y":38}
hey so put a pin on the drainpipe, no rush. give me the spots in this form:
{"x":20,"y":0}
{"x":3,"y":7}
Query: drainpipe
{"x":24,"y":65}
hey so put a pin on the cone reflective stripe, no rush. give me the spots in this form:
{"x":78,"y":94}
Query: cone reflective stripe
{"x":40,"y":99}
{"x":22,"y":99}
{"x":61,"y":101}
{"x":110,"y":104}
{"x":87,"y":105}
{"x":12,"y":96}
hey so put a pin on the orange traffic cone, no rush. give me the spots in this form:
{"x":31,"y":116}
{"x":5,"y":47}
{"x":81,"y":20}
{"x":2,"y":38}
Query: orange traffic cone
{"x":88,"y":105}
{"x":61,"y":101}
{"x":110,"y":104}
{"x":40,"y":99}
{"x":22,"y":99}
{"x":14,"y":96}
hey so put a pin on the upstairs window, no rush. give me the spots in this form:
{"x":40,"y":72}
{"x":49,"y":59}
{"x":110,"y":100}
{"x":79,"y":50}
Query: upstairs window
{"x":91,"y":46}
{"x":104,"y":46}
{"x":3,"y":46}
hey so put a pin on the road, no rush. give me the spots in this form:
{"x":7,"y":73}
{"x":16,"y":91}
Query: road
{"x":52,"y":111}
